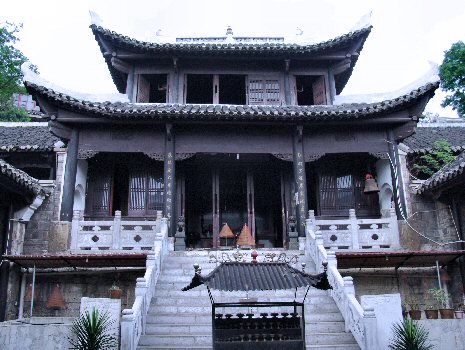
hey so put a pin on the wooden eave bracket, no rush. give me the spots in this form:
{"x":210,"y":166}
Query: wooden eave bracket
{"x":59,"y":130}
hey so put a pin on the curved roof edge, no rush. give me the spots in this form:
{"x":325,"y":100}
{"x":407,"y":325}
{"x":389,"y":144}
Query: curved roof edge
{"x":22,"y":179}
{"x":192,"y":112}
{"x":286,"y":50}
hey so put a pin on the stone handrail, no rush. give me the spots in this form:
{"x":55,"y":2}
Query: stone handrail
{"x":354,"y":233}
{"x":361,"y":322}
{"x":113,"y":234}
{"x":133,"y":320}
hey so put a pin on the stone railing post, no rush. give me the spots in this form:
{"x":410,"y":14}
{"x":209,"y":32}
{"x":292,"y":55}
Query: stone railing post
{"x":116,"y":244}
{"x":127,"y":330}
{"x":394,"y":228}
{"x":318,"y":242}
{"x":311,"y":217}
{"x":75,"y":230}
{"x":354,"y":229}
{"x":348,"y":290}
{"x":369,"y":323}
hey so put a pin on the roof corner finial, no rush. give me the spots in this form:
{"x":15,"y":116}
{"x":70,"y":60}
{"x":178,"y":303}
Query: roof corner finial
{"x":299,"y":31}
{"x":254,"y":255}
{"x":229,"y":31}
{"x":95,"y":19}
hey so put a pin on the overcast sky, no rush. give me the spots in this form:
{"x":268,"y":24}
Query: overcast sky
{"x":406,"y":34}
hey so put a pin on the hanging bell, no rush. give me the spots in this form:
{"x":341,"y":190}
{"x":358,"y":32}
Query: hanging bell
{"x":370,"y":184}
{"x":55,"y":300}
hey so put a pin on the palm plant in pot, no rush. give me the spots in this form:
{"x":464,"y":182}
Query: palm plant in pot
{"x":92,"y":331}
{"x":442,"y":299}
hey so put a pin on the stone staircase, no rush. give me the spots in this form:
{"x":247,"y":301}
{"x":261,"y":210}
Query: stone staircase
{"x":182,"y":320}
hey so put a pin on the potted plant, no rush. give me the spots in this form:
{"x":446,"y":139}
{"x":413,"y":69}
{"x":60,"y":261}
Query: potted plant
{"x":91,"y":331}
{"x":459,"y":311}
{"x":431,"y":311}
{"x":409,"y":335}
{"x":115,"y":292}
{"x":442,"y":298}
{"x":415,"y":311}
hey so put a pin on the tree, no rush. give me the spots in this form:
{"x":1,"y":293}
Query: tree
{"x":452,"y":73}
{"x":428,"y":164}
{"x":11,"y":60}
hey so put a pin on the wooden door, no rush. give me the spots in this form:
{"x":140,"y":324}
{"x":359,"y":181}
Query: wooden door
{"x":216,"y":207}
{"x":263,"y":90}
{"x":250,"y":203}
{"x":287,"y":203}
{"x":99,"y":190}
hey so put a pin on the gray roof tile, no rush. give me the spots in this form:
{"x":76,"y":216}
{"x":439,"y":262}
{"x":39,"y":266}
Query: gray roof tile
{"x":423,"y":140}
{"x":24,"y":180}
{"x":131,"y":111}
{"x":444,"y":176}
{"x":26,"y":138}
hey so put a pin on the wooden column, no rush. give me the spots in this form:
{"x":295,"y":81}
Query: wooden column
{"x":300,"y":180}
{"x":287,"y":83}
{"x":130,"y":85}
{"x":169,"y":177}
{"x":67,"y":199}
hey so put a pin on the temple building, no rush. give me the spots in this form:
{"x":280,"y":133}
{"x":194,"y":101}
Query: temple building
{"x":213,"y":147}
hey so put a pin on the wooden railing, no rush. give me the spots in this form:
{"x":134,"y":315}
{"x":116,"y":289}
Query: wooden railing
{"x":359,"y":321}
{"x":133,"y":320}
{"x":354,"y":233}
{"x":116,"y":234}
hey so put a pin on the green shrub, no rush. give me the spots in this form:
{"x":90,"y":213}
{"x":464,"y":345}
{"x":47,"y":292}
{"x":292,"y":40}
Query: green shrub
{"x":409,"y":335}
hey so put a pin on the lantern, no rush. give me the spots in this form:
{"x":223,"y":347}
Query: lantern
{"x":245,"y":238}
{"x":55,"y":300}
{"x":370,"y":185}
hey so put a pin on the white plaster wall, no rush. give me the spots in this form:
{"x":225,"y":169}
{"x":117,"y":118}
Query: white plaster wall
{"x":80,"y":185}
{"x":384,"y":179}
{"x":388,"y":311}
{"x":445,"y":334}
{"x":51,"y":333}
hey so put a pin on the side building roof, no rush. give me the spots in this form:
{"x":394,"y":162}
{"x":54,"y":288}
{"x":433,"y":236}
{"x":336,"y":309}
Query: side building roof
{"x":209,"y":112}
{"x":422,"y":141}
{"x":20,"y":178}
{"x":446,"y":176}
{"x":26,"y":137}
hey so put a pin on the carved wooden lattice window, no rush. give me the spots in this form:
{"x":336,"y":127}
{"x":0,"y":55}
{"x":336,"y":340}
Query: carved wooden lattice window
{"x":99,"y":185}
{"x":263,"y":91}
{"x":145,"y":192}
{"x":340,"y":188}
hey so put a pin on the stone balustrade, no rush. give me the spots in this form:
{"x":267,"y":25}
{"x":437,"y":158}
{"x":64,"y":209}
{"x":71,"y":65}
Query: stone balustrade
{"x":354,"y":233}
{"x":133,"y":320}
{"x":116,"y":234}
{"x":361,"y":322}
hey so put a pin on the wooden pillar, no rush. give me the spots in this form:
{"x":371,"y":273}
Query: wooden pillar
{"x":287,"y":83}
{"x":130,"y":85}
{"x":396,"y":175}
{"x":175,"y":90}
{"x":169,"y":177}
{"x":67,"y":200}
{"x":300,"y":180}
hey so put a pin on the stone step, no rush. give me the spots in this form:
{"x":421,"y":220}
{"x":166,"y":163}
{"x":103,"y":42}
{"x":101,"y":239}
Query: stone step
{"x":349,"y":346}
{"x":202,"y":318}
{"x":206,"y":328}
{"x":205,"y":338}
{"x":205,"y":301}
{"x":202,"y":292}
{"x":317,"y":308}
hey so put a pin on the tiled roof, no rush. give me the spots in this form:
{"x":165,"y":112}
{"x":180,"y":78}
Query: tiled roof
{"x":422,"y":141}
{"x":33,"y":138}
{"x":119,"y":111}
{"x":24,"y":180}
{"x":444,"y":176}
{"x":180,"y":49}
{"x":241,"y":48}
{"x":243,"y":276}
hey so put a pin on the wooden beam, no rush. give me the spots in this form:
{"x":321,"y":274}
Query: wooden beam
{"x":120,"y":65}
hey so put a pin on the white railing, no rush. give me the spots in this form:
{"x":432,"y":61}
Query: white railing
{"x":133,"y":320}
{"x":116,"y":234}
{"x":361,"y":322}
{"x":354,"y":233}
